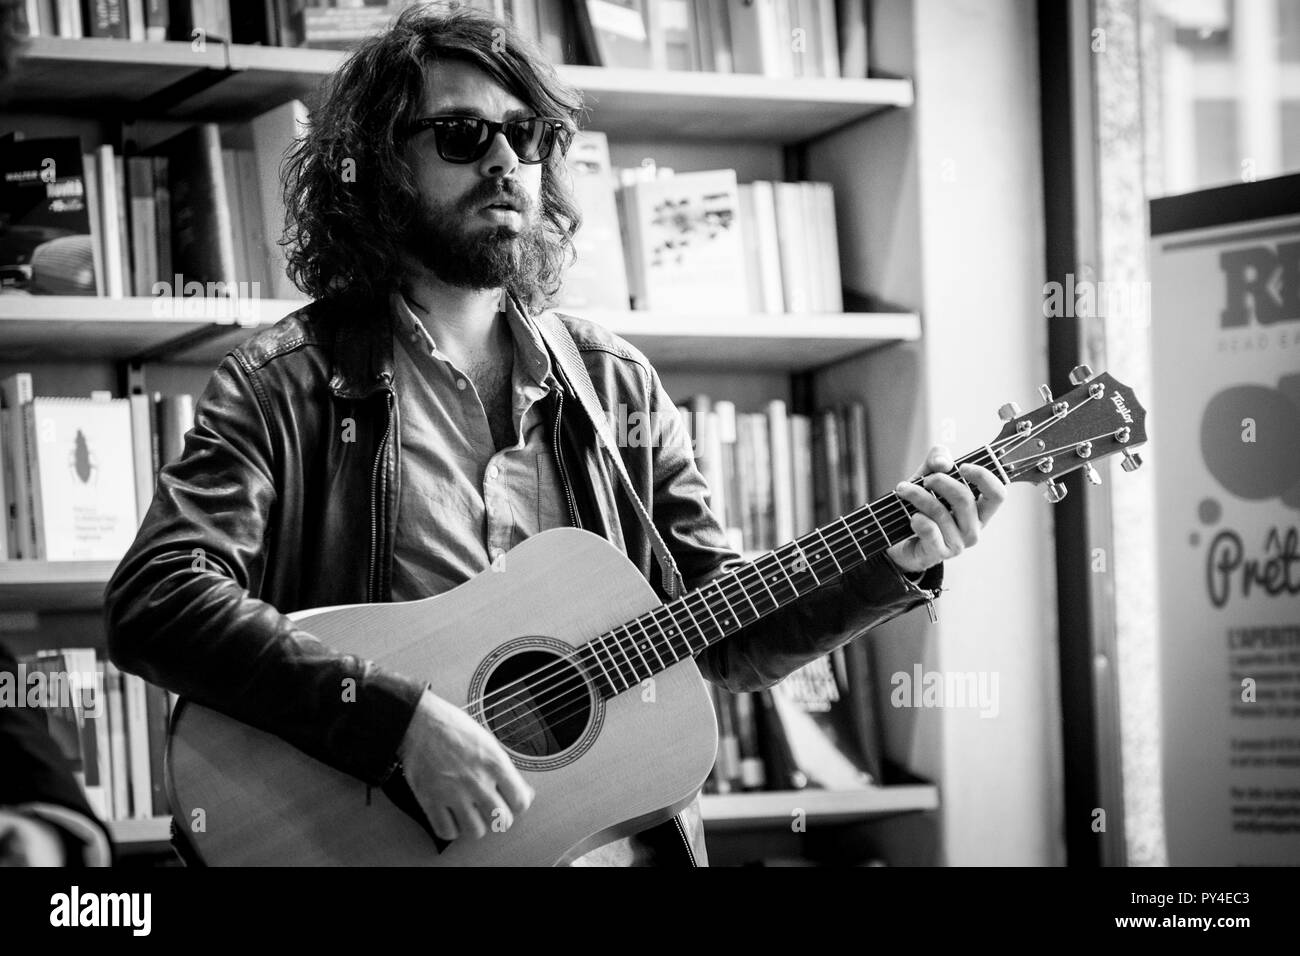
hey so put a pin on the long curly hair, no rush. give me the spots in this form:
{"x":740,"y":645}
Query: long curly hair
{"x":343,"y":232}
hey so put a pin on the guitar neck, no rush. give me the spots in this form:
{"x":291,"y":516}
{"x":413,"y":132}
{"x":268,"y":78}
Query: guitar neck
{"x":633,"y":652}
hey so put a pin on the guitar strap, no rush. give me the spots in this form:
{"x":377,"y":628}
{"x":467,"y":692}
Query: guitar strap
{"x":561,"y":343}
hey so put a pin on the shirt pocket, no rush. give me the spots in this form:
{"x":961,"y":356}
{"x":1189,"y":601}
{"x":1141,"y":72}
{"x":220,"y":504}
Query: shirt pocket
{"x":552,"y":506}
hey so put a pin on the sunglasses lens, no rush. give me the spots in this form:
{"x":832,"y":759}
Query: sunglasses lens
{"x":459,"y":140}
{"x":531,"y":139}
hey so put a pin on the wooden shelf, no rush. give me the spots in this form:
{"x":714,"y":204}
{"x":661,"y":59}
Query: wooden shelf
{"x":54,"y":585}
{"x":744,"y":810}
{"x":36,"y":328}
{"x":729,"y":811}
{"x":236,"y":81}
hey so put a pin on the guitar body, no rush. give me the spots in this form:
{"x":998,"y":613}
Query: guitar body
{"x":602,"y":769}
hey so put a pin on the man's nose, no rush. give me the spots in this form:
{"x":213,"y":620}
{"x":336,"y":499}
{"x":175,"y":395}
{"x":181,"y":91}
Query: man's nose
{"x":500,"y":159}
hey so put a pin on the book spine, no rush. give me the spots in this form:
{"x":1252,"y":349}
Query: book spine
{"x":34,"y":497}
{"x":142,"y":452}
{"x":782,"y":468}
{"x":16,"y":392}
{"x":135,"y":29}
{"x":104,"y":18}
{"x":157,"y":19}
{"x":110,"y":215}
{"x":831,"y":245}
{"x":815,"y":251}
{"x":163,"y":206}
{"x":124,"y":226}
{"x":802,"y":476}
{"x":119,"y":767}
{"x":99,"y":722}
{"x":137,"y":730}
{"x":769,"y":247}
{"x":852,"y":21}
{"x":159,"y":713}
{"x":94,"y":212}
{"x":728,"y":761}
{"x":857,"y":428}
{"x":829,"y":39}
{"x":69,"y":18}
{"x":753,"y":775}
{"x":7,"y":548}
{"x":144,"y":225}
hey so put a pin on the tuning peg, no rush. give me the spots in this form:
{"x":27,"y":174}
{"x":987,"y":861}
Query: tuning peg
{"x":1054,"y":491}
{"x":1009,"y":411}
{"x":1045,"y":392}
{"x":1080,"y":374}
{"x":1131,"y":461}
{"x":1090,"y":473}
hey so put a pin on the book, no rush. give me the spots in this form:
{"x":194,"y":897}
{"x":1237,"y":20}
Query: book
{"x":753,"y":775}
{"x":781,"y":466}
{"x":757,"y":43}
{"x":135,"y":696}
{"x":851,"y":19}
{"x":142,"y":425}
{"x":613,"y":32}
{"x":767,"y":239}
{"x":110,"y":215}
{"x":15,"y":392}
{"x":199,"y":20}
{"x":802,"y":472}
{"x":820,"y":726}
{"x":175,"y":418}
{"x":273,"y":133}
{"x":104,"y":18}
{"x":686,"y":242}
{"x":82,"y":482}
{"x":144,"y":224}
{"x":598,"y":276}
{"x":118,"y":768}
{"x":202,"y":239}
{"x":45,"y":235}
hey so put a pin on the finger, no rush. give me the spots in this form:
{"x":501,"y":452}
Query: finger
{"x":444,"y":824}
{"x":961,"y":501}
{"x":930,"y":506}
{"x":929,"y":538}
{"x":468,"y":820}
{"x":514,"y":789}
{"x":993,"y":491}
{"x":937,"y":459}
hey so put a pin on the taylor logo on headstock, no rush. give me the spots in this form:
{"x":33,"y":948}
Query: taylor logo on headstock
{"x":1120,"y":407}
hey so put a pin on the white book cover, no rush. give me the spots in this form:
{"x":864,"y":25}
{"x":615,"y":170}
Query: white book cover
{"x":782,"y":465}
{"x":831,"y":242}
{"x":801,"y":453}
{"x":749,"y":238}
{"x":829,"y":41}
{"x":815,"y":243}
{"x":794,"y":248}
{"x":109,"y":217}
{"x":597,"y":279}
{"x":84,"y":493}
{"x":755,"y":42}
{"x":117,"y":756}
{"x":137,"y":740}
{"x":769,"y":246}
{"x":688,"y":230}
{"x":273,"y":133}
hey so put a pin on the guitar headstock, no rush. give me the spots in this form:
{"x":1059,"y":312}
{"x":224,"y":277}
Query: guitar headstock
{"x":1097,"y":418}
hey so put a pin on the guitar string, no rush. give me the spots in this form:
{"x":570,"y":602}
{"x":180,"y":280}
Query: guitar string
{"x":577,"y":692}
{"x":897,"y":502}
{"x":574,"y":673}
{"x":572,"y":670}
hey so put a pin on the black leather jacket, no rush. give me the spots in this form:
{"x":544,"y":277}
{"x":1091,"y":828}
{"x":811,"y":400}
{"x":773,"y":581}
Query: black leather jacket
{"x":269,"y":510}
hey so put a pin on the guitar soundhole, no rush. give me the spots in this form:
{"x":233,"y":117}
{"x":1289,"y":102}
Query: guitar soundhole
{"x":537,"y":704}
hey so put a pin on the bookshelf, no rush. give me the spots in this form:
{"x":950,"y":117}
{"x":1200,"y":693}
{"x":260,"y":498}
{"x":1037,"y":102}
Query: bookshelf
{"x":767,"y":122}
{"x":84,"y":77}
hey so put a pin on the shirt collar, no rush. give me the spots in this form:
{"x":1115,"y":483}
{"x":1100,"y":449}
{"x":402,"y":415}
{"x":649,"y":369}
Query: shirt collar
{"x":531,"y":355}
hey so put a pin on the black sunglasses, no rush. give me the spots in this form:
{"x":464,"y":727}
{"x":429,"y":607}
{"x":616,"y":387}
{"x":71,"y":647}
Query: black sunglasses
{"x":466,"y":139}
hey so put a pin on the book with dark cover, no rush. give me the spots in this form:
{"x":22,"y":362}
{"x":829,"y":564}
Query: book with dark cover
{"x":203,"y":247}
{"x":45,"y":242}
{"x":821,"y":709}
{"x":104,"y":18}
{"x":783,"y":772}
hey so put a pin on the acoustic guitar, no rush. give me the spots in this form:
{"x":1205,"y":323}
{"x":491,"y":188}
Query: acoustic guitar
{"x":566,"y":655}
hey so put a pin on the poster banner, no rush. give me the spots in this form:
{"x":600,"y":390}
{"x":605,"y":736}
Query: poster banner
{"x":1225,"y":441}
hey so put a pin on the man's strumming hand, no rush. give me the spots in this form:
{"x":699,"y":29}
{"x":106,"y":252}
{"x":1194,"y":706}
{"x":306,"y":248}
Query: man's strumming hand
{"x":459,"y":773}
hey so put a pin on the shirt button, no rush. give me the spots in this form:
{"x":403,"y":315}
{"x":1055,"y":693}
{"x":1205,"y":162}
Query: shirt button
{"x":460,"y":383}
{"x":493,"y":471}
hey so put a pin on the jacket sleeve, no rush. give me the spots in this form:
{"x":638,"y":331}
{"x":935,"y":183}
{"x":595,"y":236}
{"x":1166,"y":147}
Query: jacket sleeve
{"x":762,"y":653}
{"x":179,"y":611}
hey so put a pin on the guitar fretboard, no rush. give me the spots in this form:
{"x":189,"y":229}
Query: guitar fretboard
{"x":633,"y":652}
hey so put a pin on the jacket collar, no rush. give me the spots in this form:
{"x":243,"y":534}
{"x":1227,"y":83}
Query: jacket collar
{"x":362,"y":357}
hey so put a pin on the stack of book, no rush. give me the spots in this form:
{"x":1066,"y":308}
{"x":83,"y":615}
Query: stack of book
{"x":197,"y":215}
{"x":77,"y":474}
{"x":698,"y":242}
{"x":816,"y":728}
{"x":785,"y":38}
{"x":774,"y":475}
{"x":111,"y":726}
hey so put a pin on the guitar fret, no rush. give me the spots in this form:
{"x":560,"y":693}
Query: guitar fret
{"x":734,"y":616}
{"x":699,"y":595}
{"x":781,"y":564}
{"x":872,"y":511}
{"x":636,"y":646}
{"x":650,"y":641}
{"x":677,"y":630}
{"x":591,"y":651}
{"x":745,"y":591}
{"x":853,"y":537}
{"x":687,"y":608}
{"x":822,"y":537}
{"x":636,"y":679}
{"x":613,"y":663}
{"x":763,"y":581}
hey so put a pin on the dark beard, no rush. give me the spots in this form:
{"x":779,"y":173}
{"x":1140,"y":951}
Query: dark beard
{"x":487,"y":259}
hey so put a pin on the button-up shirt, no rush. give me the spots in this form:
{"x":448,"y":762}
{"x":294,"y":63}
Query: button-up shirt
{"x":462,"y":503}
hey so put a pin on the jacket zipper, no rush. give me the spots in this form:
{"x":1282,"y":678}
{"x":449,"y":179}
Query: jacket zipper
{"x":559,"y":460}
{"x":372,"y":587}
